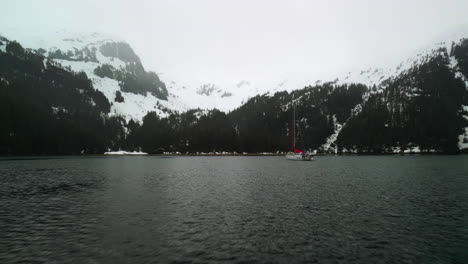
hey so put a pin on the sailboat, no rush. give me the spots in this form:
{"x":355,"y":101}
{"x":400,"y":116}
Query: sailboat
{"x":296,"y":154}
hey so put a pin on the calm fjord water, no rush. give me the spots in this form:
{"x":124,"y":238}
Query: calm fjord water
{"x":368,"y":209}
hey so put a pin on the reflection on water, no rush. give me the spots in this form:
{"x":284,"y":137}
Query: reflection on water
{"x":235,"y":209}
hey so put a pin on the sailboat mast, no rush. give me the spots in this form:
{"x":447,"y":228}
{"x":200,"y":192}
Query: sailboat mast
{"x":294,"y":126}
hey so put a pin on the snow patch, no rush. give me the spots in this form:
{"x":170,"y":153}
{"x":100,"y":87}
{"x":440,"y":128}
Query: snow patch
{"x":123,"y":152}
{"x":59,"y":109}
{"x":4,"y":80}
{"x":333,"y":137}
{"x":456,"y":69}
{"x":200,"y":113}
{"x":462,"y":138}
{"x":412,"y":149}
{"x":327,"y":147}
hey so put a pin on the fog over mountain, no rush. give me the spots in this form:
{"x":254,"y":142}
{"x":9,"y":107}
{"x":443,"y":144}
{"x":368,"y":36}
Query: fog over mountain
{"x":224,"y":43}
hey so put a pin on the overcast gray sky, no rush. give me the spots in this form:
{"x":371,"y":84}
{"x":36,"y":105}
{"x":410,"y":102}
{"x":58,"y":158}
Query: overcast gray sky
{"x":251,"y":39}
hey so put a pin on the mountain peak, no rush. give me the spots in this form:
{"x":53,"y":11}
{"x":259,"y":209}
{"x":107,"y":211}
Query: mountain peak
{"x":65,"y":40}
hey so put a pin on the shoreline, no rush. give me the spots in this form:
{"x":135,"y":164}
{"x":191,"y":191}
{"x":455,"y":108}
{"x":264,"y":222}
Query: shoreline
{"x":233,"y":155}
{"x":222,"y":155}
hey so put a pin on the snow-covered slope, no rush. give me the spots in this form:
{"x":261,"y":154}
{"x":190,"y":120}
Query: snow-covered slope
{"x":228,"y":95}
{"x":135,"y":106}
{"x":82,"y":52}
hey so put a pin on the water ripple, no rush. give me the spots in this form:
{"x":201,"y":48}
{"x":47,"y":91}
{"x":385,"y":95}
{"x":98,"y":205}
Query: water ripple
{"x":234,"y":209}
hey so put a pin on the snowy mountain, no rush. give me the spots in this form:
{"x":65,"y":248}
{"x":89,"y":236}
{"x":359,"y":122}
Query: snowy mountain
{"x":386,"y":109}
{"x":112,"y":66}
{"x":227,"y":96}
{"x":88,"y":51}
{"x":419,"y":105}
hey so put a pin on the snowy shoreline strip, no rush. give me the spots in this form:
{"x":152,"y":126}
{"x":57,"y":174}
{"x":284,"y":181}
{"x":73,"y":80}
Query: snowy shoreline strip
{"x":121,"y":152}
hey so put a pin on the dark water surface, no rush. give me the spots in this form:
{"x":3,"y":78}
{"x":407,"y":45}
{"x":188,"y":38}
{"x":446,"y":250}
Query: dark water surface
{"x":369,"y":209}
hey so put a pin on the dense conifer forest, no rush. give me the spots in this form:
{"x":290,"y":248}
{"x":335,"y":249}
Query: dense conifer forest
{"x":46,"y":109}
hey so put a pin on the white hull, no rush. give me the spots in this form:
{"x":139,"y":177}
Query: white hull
{"x":299,"y":157}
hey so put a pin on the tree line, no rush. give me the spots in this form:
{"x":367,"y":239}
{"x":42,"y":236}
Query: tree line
{"x":48,"y":110}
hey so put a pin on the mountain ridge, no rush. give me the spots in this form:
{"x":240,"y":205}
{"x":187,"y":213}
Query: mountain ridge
{"x":226,"y":96}
{"x":335,"y":112}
